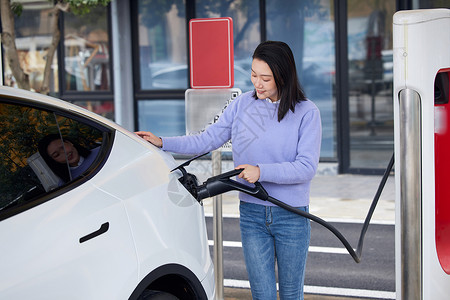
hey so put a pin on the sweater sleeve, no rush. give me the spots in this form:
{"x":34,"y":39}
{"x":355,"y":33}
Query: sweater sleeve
{"x":212,"y":138}
{"x":304,"y":167}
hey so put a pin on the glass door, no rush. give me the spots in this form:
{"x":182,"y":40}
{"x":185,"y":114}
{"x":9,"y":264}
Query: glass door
{"x":370,"y":83}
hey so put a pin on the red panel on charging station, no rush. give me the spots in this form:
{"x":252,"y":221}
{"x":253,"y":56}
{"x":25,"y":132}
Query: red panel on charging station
{"x":442,"y":168}
{"x":211,"y":53}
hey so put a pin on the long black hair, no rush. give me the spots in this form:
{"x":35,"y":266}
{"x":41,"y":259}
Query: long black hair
{"x":281,"y":61}
{"x":60,"y":169}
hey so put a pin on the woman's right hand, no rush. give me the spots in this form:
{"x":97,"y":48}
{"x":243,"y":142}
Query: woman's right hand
{"x":150,"y":137}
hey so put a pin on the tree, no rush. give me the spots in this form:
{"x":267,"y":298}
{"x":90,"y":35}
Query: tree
{"x":9,"y":9}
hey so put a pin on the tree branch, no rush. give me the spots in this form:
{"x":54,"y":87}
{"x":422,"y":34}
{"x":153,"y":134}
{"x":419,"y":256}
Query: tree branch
{"x":9,"y":42}
{"x":51,"y":49}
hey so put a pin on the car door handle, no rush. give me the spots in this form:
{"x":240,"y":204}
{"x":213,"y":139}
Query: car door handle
{"x":104,"y":228}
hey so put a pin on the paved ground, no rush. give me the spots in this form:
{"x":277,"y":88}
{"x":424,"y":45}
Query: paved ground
{"x":244,"y":294}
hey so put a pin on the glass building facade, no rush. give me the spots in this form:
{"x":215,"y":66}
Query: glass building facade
{"x":343,"y":52}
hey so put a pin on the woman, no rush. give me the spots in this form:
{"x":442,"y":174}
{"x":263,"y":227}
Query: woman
{"x":66,"y":159}
{"x":276,"y":135}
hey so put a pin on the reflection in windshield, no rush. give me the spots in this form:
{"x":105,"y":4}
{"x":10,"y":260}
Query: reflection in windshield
{"x":24,"y":173}
{"x":66,"y":158}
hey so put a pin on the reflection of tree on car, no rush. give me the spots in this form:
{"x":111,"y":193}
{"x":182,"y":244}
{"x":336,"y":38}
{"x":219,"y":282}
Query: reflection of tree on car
{"x":21,"y":128}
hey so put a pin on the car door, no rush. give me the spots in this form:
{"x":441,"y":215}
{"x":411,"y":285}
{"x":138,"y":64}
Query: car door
{"x":59,"y":239}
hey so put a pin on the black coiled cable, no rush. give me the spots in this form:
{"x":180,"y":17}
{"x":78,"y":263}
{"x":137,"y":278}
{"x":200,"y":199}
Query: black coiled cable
{"x":356,"y":255}
{"x":222,"y":183}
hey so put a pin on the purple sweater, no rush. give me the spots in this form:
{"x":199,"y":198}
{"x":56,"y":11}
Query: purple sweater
{"x":286,"y":152}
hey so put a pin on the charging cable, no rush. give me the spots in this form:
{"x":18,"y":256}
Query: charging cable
{"x":222,"y":183}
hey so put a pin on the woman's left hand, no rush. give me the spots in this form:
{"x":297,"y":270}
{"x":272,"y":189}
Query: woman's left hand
{"x":250,"y":173}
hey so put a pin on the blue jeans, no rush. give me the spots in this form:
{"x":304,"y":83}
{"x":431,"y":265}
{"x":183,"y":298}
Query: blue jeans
{"x":272,"y":234}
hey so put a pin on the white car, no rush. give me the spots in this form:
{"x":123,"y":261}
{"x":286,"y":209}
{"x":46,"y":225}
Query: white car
{"x":120,"y":226}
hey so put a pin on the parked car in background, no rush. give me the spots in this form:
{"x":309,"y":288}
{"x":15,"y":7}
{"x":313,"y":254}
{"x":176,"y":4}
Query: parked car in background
{"x":176,"y":76}
{"x":123,"y":227}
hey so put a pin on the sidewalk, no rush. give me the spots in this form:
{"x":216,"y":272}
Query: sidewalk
{"x":335,"y":197}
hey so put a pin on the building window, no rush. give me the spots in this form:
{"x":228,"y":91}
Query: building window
{"x":162,"y":68}
{"x":163,"y":117}
{"x":162,"y":45}
{"x":86,"y":51}
{"x":86,"y":62}
{"x":314,"y":52}
{"x":33,"y":37}
{"x":246,"y":33}
{"x":103,"y":108}
{"x":370,"y":83}
{"x":425,"y":4}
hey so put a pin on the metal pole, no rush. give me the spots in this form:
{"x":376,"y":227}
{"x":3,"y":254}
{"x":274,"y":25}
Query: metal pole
{"x":410,"y":195}
{"x":217,"y":228}
{"x":122,"y":62}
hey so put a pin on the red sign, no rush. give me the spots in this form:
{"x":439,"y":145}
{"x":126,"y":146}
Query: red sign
{"x":442,"y":167}
{"x":211,"y":53}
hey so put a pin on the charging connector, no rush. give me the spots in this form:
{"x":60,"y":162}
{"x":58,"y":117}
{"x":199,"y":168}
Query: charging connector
{"x":222,"y":183}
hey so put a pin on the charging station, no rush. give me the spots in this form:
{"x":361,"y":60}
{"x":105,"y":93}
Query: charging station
{"x":422,"y":153}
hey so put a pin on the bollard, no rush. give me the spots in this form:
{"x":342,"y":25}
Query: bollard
{"x":217,"y":228}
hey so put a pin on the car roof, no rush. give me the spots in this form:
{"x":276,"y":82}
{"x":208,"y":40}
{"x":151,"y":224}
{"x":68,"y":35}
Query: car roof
{"x":28,"y":97}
